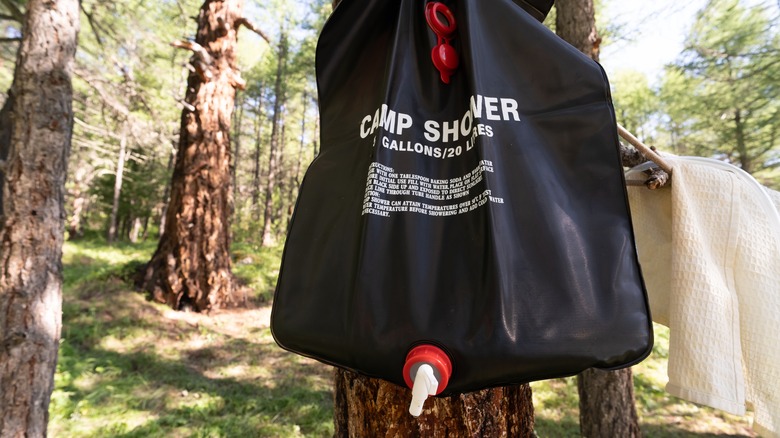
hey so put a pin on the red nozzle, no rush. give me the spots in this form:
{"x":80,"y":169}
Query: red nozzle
{"x":433,"y":356}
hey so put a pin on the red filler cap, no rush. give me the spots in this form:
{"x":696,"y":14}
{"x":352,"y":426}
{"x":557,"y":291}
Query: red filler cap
{"x":442,"y":21}
{"x":433,"y":356}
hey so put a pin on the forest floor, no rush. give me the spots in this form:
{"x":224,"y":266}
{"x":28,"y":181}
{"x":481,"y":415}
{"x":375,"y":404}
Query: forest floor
{"x":132,"y":368}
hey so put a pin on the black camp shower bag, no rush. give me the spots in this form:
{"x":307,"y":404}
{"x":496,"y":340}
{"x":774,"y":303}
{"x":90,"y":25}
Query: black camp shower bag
{"x":486,"y":216}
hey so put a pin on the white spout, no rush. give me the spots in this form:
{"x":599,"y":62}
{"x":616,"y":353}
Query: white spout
{"x":425,"y":384}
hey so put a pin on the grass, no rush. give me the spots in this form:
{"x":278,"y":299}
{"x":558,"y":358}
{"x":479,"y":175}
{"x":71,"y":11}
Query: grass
{"x":132,"y":368}
{"x":660,"y":414}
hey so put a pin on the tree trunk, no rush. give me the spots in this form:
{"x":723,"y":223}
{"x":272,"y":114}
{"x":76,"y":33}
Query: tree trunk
{"x":135,"y":231}
{"x":145,"y":229}
{"x":5,"y":139}
{"x":282,"y":181}
{"x":236,"y":158}
{"x":256,"y":159}
{"x":166,"y":192}
{"x":296,"y":179}
{"x":119,"y":174}
{"x":575,"y":23}
{"x":367,"y":407}
{"x":191,"y":267}
{"x":273,"y":153}
{"x":607,"y":404}
{"x":745,"y":160}
{"x":316,"y":145}
{"x":80,"y":194}
{"x":33,"y":225}
{"x":606,"y":397}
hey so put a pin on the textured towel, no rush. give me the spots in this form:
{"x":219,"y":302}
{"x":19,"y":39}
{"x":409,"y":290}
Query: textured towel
{"x":709,"y":247}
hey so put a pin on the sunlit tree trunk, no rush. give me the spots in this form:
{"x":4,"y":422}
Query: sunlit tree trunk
{"x":239,"y":119}
{"x":166,"y":192}
{"x":79,"y":193}
{"x":118,"y":175}
{"x":191,"y":267}
{"x":295,"y":178}
{"x":606,"y":397}
{"x":367,"y":407}
{"x":135,"y":231}
{"x":283,"y":180}
{"x":256,"y":157}
{"x":33,"y":226}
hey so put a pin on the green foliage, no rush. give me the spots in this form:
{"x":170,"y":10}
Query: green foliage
{"x":660,"y":415}
{"x":257,"y":267}
{"x":131,"y":368}
{"x":722,"y":97}
{"x":635,"y":103}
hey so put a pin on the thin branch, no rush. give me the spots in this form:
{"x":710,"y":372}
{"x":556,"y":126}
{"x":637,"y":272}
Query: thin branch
{"x":651,"y":154}
{"x":10,"y":39}
{"x":187,"y":106}
{"x":237,"y":81}
{"x":195,"y":48}
{"x":249,"y":25}
{"x":181,"y":9}
{"x":201,"y":56}
{"x":7,"y":17}
{"x":92,"y":25}
{"x":109,"y":100}
{"x":16,"y":13}
{"x":94,"y":129}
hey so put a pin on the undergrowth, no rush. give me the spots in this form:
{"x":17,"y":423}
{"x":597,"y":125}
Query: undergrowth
{"x":132,"y":368}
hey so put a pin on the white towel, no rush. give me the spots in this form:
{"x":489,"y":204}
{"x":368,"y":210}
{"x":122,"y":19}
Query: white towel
{"x":709,"y":247}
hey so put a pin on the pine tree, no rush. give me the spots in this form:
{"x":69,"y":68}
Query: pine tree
{"x":32,"y":229}
{"x":191,"y":267}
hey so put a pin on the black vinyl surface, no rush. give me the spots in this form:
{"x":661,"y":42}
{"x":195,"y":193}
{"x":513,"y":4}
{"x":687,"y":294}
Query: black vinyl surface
{"x":487,"y":216}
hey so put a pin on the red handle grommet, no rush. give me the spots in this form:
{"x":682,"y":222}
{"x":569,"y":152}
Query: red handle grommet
{"x":440,"y":28}
{"x":433,"y":356}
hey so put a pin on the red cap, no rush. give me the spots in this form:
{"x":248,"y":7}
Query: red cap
{"x":433,"y":356}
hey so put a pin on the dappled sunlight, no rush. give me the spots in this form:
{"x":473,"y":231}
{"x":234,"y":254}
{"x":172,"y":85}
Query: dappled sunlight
{"x":131,"y":367}
{"x":661,"y":415}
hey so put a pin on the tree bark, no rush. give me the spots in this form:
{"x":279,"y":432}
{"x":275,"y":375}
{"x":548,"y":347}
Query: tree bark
{"x":32,"y":231}
{"x":606,"y":397}
{"x":607,"y":404}
{"x":370,"y":407}
{"x":191,"y":267}
{"x":5,"y":140}
{"x":575,"y":23}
